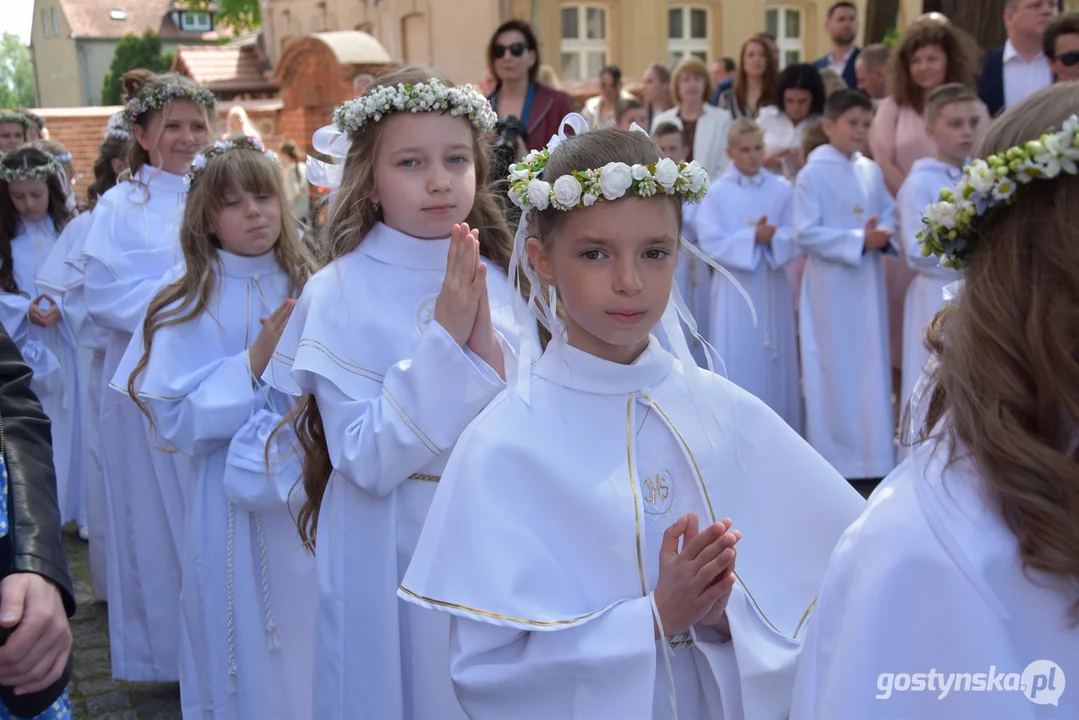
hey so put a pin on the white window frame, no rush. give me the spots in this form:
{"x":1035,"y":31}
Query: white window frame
{"x":45,"y":23}
{"x":582,"y":47}
{"x":784,"y":43}
{"x":188,"y":24}
{"x":679,"y":48}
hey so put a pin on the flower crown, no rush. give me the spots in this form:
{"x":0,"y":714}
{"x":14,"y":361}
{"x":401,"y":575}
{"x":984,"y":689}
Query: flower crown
{"x":115,"y":130}
{"x":584,"y":188}
{"x":220,"y":148}
{"x":953,"y":225}
{"x":429,"y":96}
{"x":155,"y":98}
{"x":12,"y":116}
{"x":42,"y":172}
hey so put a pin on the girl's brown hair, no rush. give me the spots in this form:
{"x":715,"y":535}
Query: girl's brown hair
{"x":354,"y":215}
{"x":22,"y":157}
{"x":133,"y":83}
{"x":1004,"y":386}
{"x":104,"y":174}
{"x":959,"y":47}
{"x":185,"y":299}
{"x":770,"y":81}
{"x":690,"y":65}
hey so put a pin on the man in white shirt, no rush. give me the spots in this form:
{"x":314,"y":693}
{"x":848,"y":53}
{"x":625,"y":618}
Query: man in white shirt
{"x":1061,"y":46}
{"x":842,"y":28}
{"x":1019,"y":68}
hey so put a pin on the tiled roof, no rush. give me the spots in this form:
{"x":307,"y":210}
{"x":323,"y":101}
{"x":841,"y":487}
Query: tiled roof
{"x":222,"y":67}
{"x":113,"y":19}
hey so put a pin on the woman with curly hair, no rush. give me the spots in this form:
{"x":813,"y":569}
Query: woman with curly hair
{"x":967,"y":557}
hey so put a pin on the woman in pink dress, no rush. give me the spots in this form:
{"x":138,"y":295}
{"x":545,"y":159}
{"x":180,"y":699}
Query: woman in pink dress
{"x":931,"y":53}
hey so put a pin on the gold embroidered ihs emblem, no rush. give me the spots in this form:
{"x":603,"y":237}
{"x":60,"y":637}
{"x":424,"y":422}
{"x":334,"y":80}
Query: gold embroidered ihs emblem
{"x":657,"y":494}
{"x":426,"y":313}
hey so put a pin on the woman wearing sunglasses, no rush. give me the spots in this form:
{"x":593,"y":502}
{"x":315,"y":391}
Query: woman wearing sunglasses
{"x":1062,"y":46}
{"x":514,"y":61}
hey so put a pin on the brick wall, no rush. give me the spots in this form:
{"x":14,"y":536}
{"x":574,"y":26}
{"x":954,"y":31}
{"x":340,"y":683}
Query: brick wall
{"x":82,"y":129}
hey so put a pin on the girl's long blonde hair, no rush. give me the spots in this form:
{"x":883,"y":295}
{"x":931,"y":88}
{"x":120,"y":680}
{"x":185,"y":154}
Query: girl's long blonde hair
{"x":1004,"y":389}
{"x":187,"y":298}
{"x":354,"y":215}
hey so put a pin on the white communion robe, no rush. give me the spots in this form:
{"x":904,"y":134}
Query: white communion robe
{"x":762,"y":360}
{"x":843,"y":315}
{"x":51,"y":353}
{"x":542,"y":543}
{"x":925,"y":296}
{"x":248,"y":583}
{"x":694,"y":279}
{"x":926,"y":611}
{"x":92,"y":340}
{"x":394,"y":391}
{"x":131,"y":247}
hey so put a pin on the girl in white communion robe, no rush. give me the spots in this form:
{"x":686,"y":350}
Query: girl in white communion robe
{"x":581,"y":537}
{"x":956,"y":594}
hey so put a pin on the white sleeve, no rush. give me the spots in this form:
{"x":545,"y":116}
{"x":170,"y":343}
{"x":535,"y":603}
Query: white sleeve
{"x":602,"y":668}
{"x":738,"y":250}
{"x":784,"y":247}
{"x":831,"y":244}
{"x":415,"y":415}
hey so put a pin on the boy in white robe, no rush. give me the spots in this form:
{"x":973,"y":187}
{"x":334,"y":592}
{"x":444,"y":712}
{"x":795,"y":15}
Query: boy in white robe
{"x":844,"y":219}
{"x":952,"y":118}
{"x":693,"y":276}
{"x":553,"y":539}
{"x":745,"y":224}
{"x":956,"y":594}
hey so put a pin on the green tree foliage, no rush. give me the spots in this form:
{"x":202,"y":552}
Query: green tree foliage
{"x":239,"y":16}
{"x":16,"y":73}
{"x":133,"y":52}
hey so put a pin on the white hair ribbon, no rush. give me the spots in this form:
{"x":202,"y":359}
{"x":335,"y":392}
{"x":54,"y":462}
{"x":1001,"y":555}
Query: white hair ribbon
{"x":330,"y":141}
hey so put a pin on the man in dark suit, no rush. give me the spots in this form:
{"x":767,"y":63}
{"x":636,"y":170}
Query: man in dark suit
{"x":842,"y":28}
{"x":1019,"y":68}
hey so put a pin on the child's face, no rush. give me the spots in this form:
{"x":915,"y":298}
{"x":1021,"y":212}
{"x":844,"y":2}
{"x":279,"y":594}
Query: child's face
{"x":849,"y":132}
{"x":11,"y":136}
{"x":636,"y":115}
{"x":174,"y":136}
{"x":248,"y":224}
{"x":30,"y":198}
{"x":613,"y":265}
{"x":955,"y":128}
{"x":747,"y":153}
{"x":673,"y":146}
{"x":425,"y":173}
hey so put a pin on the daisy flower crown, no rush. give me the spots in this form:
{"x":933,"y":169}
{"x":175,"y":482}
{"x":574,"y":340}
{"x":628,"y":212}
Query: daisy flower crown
{"x":584,"y":188}
{"x":26,"y":171}
{"x":155,"y":98}
{"x":220,"y":148}
{"x":952,"y":226}
{"x":11,"y":116}
{"x":115,"y":130}
{"x":430,"y":96}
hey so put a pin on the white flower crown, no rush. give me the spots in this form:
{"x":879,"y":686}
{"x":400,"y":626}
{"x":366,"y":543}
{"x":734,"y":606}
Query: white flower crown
{"x":430,"y":96}
{"x":42,"y":172}
{"x":952,"y":225}
{"x":221,"y":147}
{"x":12,"y":116}
{"x":155,"y":98}
{"x":115,"y":130}
{"x":584,"y":188}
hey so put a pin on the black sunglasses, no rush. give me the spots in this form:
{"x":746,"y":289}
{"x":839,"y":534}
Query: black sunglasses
{"x":1069,"y":59}
{"x":517,"y":49}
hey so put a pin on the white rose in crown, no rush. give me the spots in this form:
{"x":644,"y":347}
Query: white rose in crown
{"x":539,"y":194}
{"x":614,"y":179}
{"x":520,"y":173}
{"x":640,"y":172}
{"x":666,"y":173}
{"x":567,"y":191}
{"x":982,"y":177}
{"x":944,"y":214}
{"x":698,"y":177}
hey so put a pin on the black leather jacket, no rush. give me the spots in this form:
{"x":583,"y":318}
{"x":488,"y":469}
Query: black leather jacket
{"x":33,"y":513}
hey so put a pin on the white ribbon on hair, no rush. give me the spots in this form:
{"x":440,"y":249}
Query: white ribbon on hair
{"x":330,"y":141}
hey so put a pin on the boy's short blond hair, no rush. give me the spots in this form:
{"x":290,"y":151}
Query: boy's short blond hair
{"x":944,"y":96}
{"x":743,"y":126}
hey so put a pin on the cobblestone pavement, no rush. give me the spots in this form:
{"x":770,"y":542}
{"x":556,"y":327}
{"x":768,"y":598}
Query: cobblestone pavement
{"x":94,"y":694}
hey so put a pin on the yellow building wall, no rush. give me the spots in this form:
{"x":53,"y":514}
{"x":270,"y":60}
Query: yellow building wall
{"x":55,"y":60}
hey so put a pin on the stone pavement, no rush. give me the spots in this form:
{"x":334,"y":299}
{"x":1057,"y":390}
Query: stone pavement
{"x":94,"y":694}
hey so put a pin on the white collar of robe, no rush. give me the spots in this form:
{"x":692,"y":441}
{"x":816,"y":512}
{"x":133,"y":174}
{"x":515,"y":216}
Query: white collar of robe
{"x":393,"y":247}
{"x":242,"y":266}
{"x":578,"y":370}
